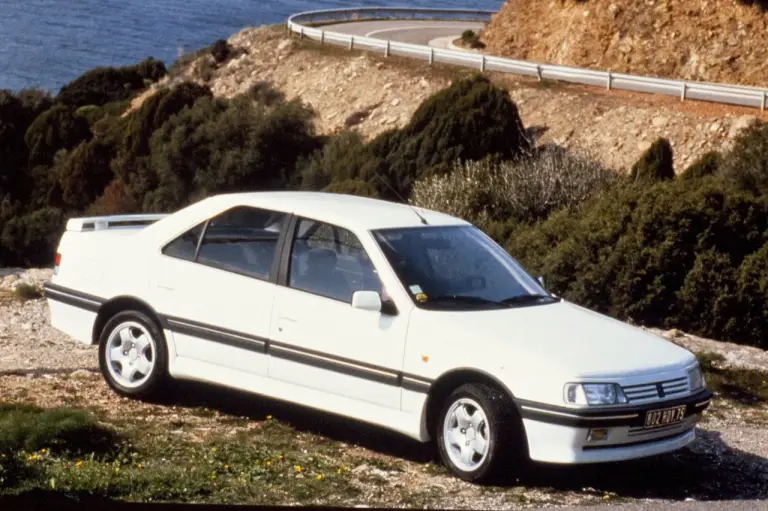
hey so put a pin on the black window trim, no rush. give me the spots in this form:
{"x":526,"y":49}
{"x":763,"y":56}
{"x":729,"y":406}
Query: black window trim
{"x":276,"y":257}
{"x":388,"y":308}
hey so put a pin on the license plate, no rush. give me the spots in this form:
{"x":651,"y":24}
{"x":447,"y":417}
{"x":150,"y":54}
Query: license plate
{"x":664,"y":417}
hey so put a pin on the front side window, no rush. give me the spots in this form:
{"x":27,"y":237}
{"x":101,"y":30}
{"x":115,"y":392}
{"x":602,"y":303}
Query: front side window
{"x":457,"y":267}
{"x":242,"y":240}
{"x":329,"y":261}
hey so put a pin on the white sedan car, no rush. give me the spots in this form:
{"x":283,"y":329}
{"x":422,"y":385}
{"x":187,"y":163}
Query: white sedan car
{"x":406,"y":318}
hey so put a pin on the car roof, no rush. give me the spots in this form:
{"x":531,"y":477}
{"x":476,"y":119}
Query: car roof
{"x":350,"y":211}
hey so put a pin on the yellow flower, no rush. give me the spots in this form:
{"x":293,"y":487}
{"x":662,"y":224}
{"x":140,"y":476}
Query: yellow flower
{"x":140,"y":465}
{"x":117,"y":469}
{"x":298,"y":468}
{"x":338,"y":471}
{"x":346,"y":468}
{"x":78,"y":463}
{"x":213,"y":476}
{"x":213,"y":449}
{"x":226,"y":467}
{"x":282,"y":457}
{"x":319,"y":476}
{"x":269,"y":463}
{"x":269,"y":417}
{"x":43,"y":450}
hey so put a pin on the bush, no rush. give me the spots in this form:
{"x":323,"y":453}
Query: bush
{"x":655,"y":164}
{"x":218,"y":146}
{"x":525,"y":190}
{"x":707,"y":165}
{"x":85,"y":173}
{"x":151,"y":70}
{"x":746,"y":164}
{"x":472,"y":39}
{"x":655,"y":255}
{"x":117,"y":199}
{"x":26,"y":291}
{"x":221,"y":51}
{"x":56,"y":129}
{"x":32,"y":239}
{"x":342,"y":158}
{"x":352,"y":187}
{"x":101,"y":86}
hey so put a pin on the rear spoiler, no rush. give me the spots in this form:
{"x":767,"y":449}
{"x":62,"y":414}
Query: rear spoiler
{"x":98,"y":223}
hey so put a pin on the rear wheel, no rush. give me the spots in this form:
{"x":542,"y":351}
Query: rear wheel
{"x":132,"y":354}
{"x":479,"y":433}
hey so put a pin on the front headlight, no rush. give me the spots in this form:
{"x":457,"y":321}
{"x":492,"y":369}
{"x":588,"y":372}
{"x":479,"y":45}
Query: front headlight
{"x":593,"y":394}
{"x":696,"y":379}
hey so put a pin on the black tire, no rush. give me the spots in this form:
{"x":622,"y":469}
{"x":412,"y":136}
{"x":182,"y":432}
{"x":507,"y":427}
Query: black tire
{"x":507,"y":446}
{"x":158,"y":375}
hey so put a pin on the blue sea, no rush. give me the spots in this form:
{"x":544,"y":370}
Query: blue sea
{"x":47,"y":43}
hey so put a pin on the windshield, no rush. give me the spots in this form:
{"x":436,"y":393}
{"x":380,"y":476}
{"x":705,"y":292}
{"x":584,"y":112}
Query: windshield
{"x":457,"y":267}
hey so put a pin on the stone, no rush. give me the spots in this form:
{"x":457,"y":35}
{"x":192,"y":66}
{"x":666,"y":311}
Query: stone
{"x":395,"y":102}
{"x":659,"y":121}
{"x":83,"y":374}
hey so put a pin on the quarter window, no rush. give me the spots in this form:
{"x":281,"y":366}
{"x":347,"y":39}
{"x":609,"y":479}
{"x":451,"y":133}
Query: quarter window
{"x":185,"y":246}
{"x":242,"y":240}
{"x":330,"y":261}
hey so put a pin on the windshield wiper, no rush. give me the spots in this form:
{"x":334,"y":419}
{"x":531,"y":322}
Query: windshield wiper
{"x":520,"y":299}
{"x":465,"y":299}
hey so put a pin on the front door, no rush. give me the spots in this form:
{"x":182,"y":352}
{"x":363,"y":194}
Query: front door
{"x":319,"y":340}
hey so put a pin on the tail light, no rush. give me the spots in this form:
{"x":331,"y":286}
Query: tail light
{"x":56,"y":263}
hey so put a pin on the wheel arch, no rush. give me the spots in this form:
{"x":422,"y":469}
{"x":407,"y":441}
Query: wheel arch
{"x":119,"y":304}
{"x":449,"y":381}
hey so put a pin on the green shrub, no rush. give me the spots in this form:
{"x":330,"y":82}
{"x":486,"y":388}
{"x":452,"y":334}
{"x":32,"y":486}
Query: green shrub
{"x":675,"y":253}
{"x":707,"y":165}
{"x":100,"y":86}
{"x":224,"y":146}
{"x":151,"y":70}
{"x":26,"y":291}
{"x":524,"y":190}
{"x":342,"y":158}
{"x":85,"y":173}
{"x":117,"y":199}
{"x":31,"y":239}
{"x":472,"y":39}
{"x":655,"y":164}
{"x":352,"y":187}
{"x":221,"y":51}
{"x":55,"y":129}
{"x":746,"y":164}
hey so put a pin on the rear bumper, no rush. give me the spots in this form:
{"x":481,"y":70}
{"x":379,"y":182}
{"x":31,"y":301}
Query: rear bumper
{"x":72,"y":312}
{"x":564,"y":435}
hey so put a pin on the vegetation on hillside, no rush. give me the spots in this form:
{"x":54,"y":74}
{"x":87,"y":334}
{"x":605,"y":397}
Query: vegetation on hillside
{"x":655,"y":248}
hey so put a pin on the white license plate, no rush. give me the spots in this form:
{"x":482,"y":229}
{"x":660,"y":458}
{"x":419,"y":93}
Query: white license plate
{"x":665,"y":416}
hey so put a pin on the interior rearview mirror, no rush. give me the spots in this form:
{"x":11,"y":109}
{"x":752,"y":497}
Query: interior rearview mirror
{"x":367,"y":300}
{"x":540,"y":278}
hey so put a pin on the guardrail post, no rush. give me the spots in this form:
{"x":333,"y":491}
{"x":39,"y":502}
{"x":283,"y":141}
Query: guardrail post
{"x":482,"y":63}
{"x":762,"y":103}
{"x":431,"y":56}
{"x":322,"y":36}
{"x":683,"y":91}
{"x":610,"y":78}
{"x":386,"y":49}
{"x":301,"y":33}
{"x":538,"y":71}
{"x":352,"y":42}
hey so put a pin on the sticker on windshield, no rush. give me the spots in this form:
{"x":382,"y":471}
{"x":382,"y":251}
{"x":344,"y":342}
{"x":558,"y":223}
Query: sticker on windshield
{"x":415,"y":289}
{"x":421,"y":298}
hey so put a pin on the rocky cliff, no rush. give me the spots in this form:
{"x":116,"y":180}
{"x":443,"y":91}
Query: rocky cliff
{"x":708,"y":40}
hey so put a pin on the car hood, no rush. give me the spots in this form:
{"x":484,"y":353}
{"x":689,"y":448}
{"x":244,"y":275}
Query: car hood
{"x":570,"y":338}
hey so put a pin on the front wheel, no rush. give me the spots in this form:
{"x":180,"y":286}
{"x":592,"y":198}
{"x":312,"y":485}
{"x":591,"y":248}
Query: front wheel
{"x":479,"y":432}
{"x":132,"y":354}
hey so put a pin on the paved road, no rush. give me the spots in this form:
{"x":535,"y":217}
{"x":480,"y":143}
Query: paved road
{"x":434,"y":33}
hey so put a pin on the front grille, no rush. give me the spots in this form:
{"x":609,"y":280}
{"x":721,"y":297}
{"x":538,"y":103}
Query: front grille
{"x":655,"y":391}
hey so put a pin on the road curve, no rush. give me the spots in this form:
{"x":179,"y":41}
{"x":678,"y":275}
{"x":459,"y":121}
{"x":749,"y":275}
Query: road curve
{"x":435,"y":33}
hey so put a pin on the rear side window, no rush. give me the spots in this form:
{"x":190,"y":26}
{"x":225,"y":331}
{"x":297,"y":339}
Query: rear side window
{"x":185,"y":246}
{"x":242,"y":240}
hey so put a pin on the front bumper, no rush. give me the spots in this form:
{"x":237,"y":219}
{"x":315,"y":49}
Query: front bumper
{"x":562,"y":435}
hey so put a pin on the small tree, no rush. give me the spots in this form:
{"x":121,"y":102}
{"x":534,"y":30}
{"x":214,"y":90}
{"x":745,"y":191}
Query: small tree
{"x":656,"y":164}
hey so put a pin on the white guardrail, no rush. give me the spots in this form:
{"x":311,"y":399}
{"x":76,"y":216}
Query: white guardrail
{"x":309,"y":24}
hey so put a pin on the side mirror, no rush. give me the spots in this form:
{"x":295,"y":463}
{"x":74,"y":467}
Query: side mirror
{"x":366,"y":300}
{"x":540,"y":278}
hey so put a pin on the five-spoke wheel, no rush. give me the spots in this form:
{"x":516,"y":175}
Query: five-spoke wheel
{"x":132,"y":354}
{"x":479,"y":432}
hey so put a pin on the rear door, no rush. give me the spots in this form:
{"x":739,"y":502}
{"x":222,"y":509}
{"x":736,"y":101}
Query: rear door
{"x":215,"y":285}
{"x":319,"y":340}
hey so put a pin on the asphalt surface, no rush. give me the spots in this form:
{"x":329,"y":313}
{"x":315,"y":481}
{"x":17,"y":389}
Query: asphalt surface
{"x":440,"y":34}
{"x":433,"y":33}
